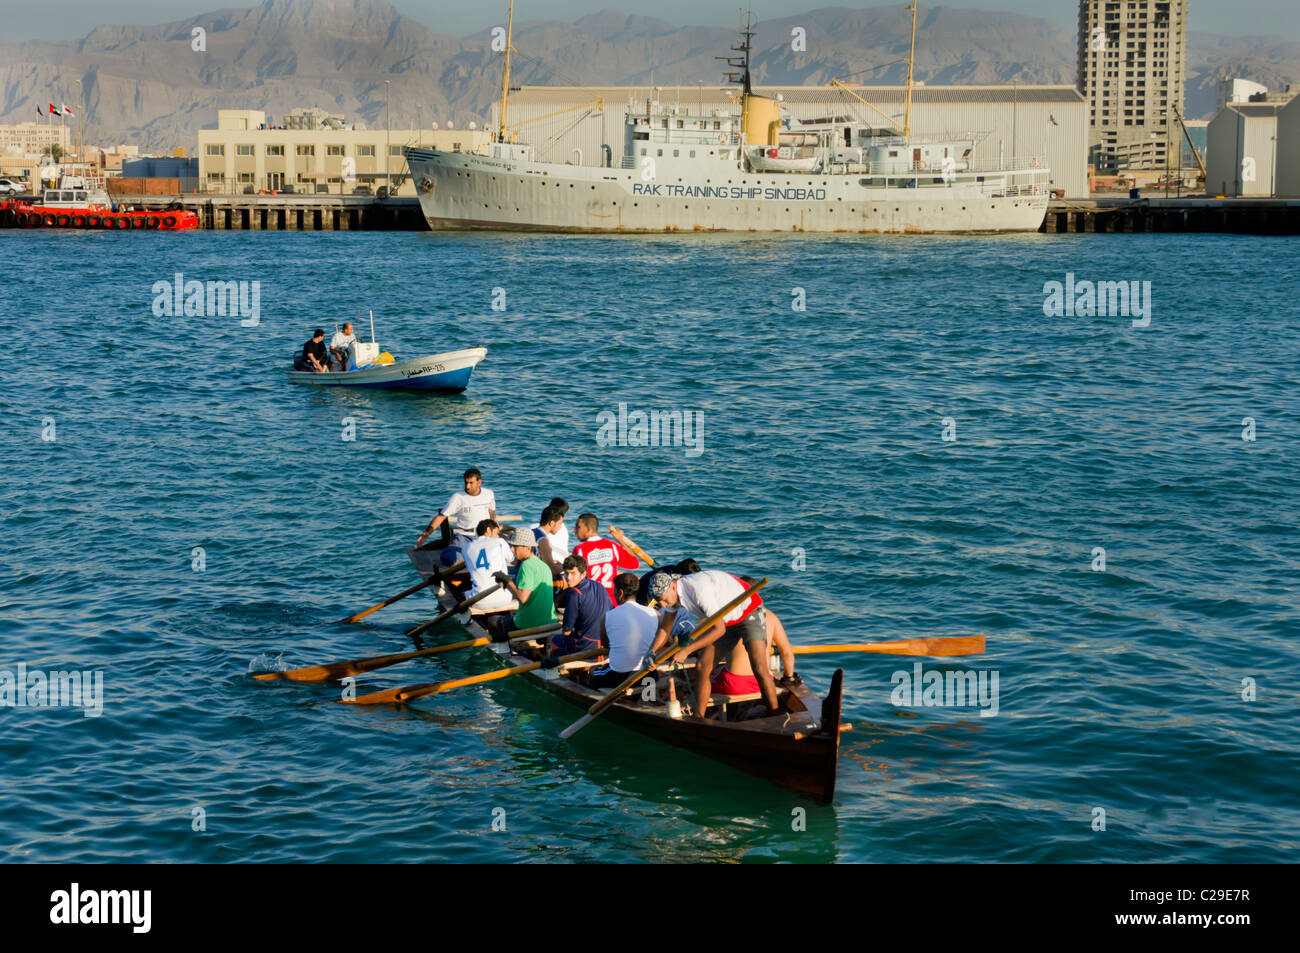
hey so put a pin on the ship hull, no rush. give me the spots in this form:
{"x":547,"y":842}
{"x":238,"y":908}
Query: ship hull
{"x":466,"y":191}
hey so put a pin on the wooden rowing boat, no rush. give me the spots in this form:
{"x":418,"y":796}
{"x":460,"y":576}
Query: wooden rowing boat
{"x":797,"y":750}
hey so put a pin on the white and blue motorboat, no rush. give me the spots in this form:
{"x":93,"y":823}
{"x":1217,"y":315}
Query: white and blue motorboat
{"x":448,"y":372}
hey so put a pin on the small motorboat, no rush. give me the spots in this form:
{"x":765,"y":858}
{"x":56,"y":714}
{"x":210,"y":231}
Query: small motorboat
{"x":448,"y":372}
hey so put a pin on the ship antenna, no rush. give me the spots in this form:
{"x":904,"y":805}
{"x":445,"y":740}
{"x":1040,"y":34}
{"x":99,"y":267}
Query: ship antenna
{"x":911,"y":59}
{"x":738,"y":71}
{"x":505,"y":80}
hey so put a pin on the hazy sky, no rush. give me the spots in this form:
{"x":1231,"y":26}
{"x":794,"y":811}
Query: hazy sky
{"x":66,"y":19}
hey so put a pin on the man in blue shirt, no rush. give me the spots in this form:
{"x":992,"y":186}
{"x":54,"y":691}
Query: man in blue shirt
{"x":586,"y":607}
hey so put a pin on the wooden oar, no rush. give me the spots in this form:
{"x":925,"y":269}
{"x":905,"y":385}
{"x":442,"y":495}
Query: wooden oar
{"x":628,"y":544}
{"x":412,"y":692}
{"x":458,"y":607}
{"x":332,"y":671}
{"x":594,"y":711}
{"x":437,"y":577}
{"x":959,"y":645}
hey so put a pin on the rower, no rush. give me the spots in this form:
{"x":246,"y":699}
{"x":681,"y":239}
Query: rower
{"x":583,"y":610}
{"x":487,"y":557}
{"x":702,"y":594}
{"x":628,"y":630}
{"x":552,"y":546}
{"x":339,"y":344}
{"x":531,"y":585}
{"x":604,"y":557}
{"x":685,"y":623}
{"x":461,"y":516}
{"x":313,"y":356}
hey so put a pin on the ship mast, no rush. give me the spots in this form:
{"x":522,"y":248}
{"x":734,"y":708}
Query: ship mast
{"x":911,"y":59}
{"x":505,"y":79}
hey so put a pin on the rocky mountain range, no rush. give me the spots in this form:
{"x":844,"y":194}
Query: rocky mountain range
{"x":147,"y":85}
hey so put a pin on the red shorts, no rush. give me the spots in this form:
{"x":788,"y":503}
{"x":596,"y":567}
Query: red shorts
{"x":724,"y":683}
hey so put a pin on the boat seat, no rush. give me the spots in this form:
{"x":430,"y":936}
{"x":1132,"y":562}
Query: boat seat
{"x":717,"y":699}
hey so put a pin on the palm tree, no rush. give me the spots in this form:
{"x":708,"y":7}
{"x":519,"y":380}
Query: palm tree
{"x":54,"y":151}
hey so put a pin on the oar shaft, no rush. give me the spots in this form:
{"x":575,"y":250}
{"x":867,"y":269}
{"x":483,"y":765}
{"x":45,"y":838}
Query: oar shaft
{"x":389,"y":601}
{"x":459,"y":607}
{"x":336,"y":670}
{"x":960,"y":645}
{"x":412,"y":692}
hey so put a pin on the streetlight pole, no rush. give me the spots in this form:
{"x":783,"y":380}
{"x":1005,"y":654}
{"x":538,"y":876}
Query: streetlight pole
{"x":81,"y":142}
{"x":419,"y":118}
{"x":388,"y":143}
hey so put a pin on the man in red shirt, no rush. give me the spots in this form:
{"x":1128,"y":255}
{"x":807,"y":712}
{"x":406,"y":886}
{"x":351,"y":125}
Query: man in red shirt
{"x":604,"y":556}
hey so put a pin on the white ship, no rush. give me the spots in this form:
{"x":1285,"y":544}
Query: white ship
{"x":751,"y":169}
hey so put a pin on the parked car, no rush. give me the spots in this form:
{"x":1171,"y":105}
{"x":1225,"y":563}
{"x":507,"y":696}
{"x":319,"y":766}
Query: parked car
{"x":381,"y":192}
{"x":10,"y":187}
{"x":361,"y":190}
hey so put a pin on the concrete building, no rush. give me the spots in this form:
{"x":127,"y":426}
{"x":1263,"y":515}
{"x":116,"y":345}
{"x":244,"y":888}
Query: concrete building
{"x":1288,"y":150}
{"x":1242,"y":148}
{"x":30,"y":139}
{"x":585,"y":125}
{"x":1131,"y":71}
{"x":245,"y":154}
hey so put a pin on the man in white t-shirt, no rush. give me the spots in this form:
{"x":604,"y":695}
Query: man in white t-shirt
{"x":628,"y":630}
{"x":487,"y":555}
{"x":461,"y":516}
{"x":339,"y":345}
{"x":702,"y":594}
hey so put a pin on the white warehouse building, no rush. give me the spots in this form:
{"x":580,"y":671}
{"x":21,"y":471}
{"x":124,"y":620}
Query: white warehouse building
{"x":584,"y":125}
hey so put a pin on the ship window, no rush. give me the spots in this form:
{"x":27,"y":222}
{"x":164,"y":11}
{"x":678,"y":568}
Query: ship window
{"x":80,"y":196}
{"x":681,"y":124}
{"x":659,"y":152}
{"x":692,"y":153}
{"x":717,"y":124}
{"x":65,"y":196}
{"x":893,"y":153}
{"x":640,"y":135}
{"x":643,"y":150}
{"x":677,"y":153}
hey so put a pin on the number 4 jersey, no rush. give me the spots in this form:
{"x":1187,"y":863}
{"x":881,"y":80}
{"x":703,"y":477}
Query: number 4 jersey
{"x":604,"y":559}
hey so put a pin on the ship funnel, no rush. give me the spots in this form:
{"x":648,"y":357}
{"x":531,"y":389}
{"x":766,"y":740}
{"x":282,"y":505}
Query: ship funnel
{"x":760,"y":120}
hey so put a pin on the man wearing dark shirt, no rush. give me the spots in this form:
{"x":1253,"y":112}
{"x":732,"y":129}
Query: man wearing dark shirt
{"x":586,"y":607}
{"x":314,"y":354}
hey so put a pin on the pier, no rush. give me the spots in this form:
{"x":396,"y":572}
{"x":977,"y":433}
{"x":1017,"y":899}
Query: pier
{"x":333,"y":213}
{"x":1233,"y":216}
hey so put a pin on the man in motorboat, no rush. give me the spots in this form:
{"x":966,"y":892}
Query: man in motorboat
{"x":314,"y":356}
{"x":339,"y":344}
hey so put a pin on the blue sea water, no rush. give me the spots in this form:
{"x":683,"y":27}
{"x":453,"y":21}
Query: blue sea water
{"x":1126,"y":691}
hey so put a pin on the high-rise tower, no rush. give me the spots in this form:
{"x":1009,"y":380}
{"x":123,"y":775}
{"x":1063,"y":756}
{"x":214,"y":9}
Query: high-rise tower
{"x":1131,"y":71}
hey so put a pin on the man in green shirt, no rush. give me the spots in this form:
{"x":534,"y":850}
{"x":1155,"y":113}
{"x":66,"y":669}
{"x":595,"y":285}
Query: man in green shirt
{"x":531,"y":585}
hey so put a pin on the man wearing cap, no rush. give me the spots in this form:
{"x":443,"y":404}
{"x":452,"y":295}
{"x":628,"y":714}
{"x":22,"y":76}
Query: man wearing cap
{"x":702,"y":594}
{"x":583,"y":611}
{"x":531,"y":585}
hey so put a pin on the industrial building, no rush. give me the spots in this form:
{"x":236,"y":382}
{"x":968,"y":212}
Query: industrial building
{"x":1288,"y":150}
{"x":1242,"y":151}
{"x":584,"y":125}
{"x":1132,"y":56}
{"x":312,"y":152}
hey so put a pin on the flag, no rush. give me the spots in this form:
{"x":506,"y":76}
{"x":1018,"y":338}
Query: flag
{"x":67,"y":111}
{"x":38,"y":111}
{"x":53,"y":110}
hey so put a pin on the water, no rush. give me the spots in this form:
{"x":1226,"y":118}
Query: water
{"x":822,"y":432}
